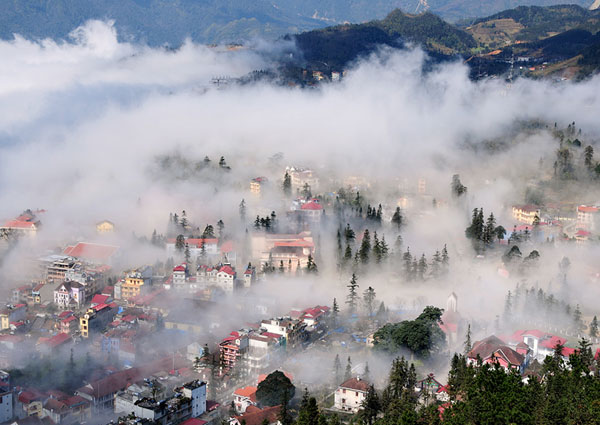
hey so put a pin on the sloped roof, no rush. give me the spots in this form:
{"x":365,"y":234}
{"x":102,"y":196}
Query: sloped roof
{"x":91,"y":251}
{"x":249,"y":392}
{"x":493,"y":346}
{"x":355,"y":384}
{"x":257,"y":417}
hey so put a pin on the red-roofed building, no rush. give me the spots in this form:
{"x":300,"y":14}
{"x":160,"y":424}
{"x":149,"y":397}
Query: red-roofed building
{"x":526,"y":213}
{"x":350,"y":395}
{"x":92,"y":252}
{"x":494,"y":350}
{"x":99,"y":299}
{"x":26,"y":224}
{"x":244,"y":397}
{"x":51,"y":344}
{"x":587,"y":217}
{"x":256,"y":416}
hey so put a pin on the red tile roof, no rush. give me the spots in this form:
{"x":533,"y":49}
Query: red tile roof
{"x":356,"y":384}
{"x":193,"y":421}
{"x":314,"y":206}
{"x":249,"y":392}
{"x":257,"y":417}
{"x":100,"y":299}
{"x":586,"y":209}
{"x":91,"y":251}
{"x":535,"y":333}
{"x":19,"y":224}
{"x":228,"y":270}
{"x":57,"y":340}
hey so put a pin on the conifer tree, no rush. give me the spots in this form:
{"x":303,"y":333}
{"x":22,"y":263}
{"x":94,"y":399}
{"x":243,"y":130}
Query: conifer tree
{"x":287,"y":184}
{"x":352,"y":298}
{"x":422,"y":268}
{"x":365,"y":247}
{"x":348,"y":372}
{"x":594,"y":327}
{"x":242,"y":210}
{"x":369,"y":301}
{"x":407,"y":263}
{"x":468,"y":344}
{"x":397,"y":218}
{"x":337,"y":369}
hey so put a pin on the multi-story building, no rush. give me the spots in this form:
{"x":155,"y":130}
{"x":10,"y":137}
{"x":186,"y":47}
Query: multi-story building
{"x":233,"y":347}
{"x":350,"y":395}
{"x":301,"y":177}
{"x":132,"y":285}
{"x":11,"y":314}
{"x":587,"y":217}
{"x":69,"y":293}
{"x":256,"y":184}
{"x":96,"y":318}
{"x":292,"y":330}
{"x":526,"y":213}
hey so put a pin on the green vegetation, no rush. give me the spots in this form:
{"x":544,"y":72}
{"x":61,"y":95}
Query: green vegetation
{"x":422,"y":336}
{"x":274,"y":388}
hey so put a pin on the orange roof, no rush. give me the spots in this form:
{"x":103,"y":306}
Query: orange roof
{"x":19,"y":224}
{"x":586,"y":209}
{"x":249,"y":392}
{"x":91,"y":251}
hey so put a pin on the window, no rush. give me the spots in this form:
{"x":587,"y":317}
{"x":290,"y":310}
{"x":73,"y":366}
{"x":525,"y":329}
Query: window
{"x":344,"y":391}
{"x":343,"y":401}
{"x":357,"y":394}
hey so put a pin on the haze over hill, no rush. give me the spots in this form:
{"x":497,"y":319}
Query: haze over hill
{"x":214,"y":21}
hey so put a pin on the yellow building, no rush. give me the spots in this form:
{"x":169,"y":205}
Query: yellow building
{"x":256,"y":185}
{"x":526,"y":213}
{"x":132,"y":286}
{"x":105,"y":227}
{"x":4,"y":320}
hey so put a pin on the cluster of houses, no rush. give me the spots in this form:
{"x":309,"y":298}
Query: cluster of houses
{"x":553,"y":221}
{"x":222,"y":276}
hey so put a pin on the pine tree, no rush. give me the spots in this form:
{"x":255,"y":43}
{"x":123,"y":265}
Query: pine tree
{"x":180,"y":243}
{"x":468,"y":344}
{"x":339,"y":251}
{"x":220,"y":228}
{"x":458,"y":189}
{"x":589,"y":157}
{"x":335,"y":311}
{"x":384,"y":248}
{"x":287,"y":184}
{"x":311,"y":266}
{"x":445,"y":259}
{"x":436,"y":265}
{"x":242,"y":210}
{"x":365,"y":247}
{"x":370,"y":405}
{"x":577,"y":321}
{"x":376,"y":248}
{"x":187,"y":253}
{"x":347,"y":254}
{"x":508,"y":305}
{"x":183,"y":222}
{"x":407,"y":261}
{"x":594,"y":327}
{"x":352,"y":298}
{"x":348,"y":372}
{"x":349,"y":234}
{"x":422,"y":268}
{"x":367,"y":372}
{"x":369,"y":301}
{"x":397,"y":218}
{"x":489,"y":230}
{"x":337,"y":369}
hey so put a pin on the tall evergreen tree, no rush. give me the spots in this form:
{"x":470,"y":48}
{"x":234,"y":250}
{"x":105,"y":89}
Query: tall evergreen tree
{"x":352,"y":298}
{"x":348,"y":372}
{"x":422,"y":268}
{"x":594,"y":327}
{"x":369,"y":301}
{"x":337,"y":369}
{"x":242,"y":211}
{"x":397,"y":218}
{"x":468,"y":345}
{"x":287,"y":184}
{"x":365,"y":247}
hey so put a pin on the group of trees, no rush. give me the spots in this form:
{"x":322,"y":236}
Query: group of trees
{"x":420,"y":269}
{"x":369,"y":251}
{"x":563,"y":392}
{"x":484,"y":232}
{"x":368,"y":300}
{"x":525,"y":306}
{"x":573,"y":160}
{"x":268,"y":223}
{"x":422,"y":336}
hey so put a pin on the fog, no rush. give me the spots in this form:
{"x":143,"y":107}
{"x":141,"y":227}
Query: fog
{"x":85,"y":121}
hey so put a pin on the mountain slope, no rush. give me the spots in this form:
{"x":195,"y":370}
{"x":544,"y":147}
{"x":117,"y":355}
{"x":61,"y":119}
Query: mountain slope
{"x":336,"y":46}
{"x":209,"y":21}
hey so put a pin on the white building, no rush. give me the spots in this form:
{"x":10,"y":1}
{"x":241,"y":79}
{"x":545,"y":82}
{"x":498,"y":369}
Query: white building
{"x":350,"y":395}
{"x":196,"y":391}
{"x":6,"y":406}
{"x":243,"y":398}
{"x":587,"y":217}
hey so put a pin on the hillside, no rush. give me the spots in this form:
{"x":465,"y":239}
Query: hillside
{"x":212,"y":21}
{"x":336,"y":46}
{"x":528,"y":24}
